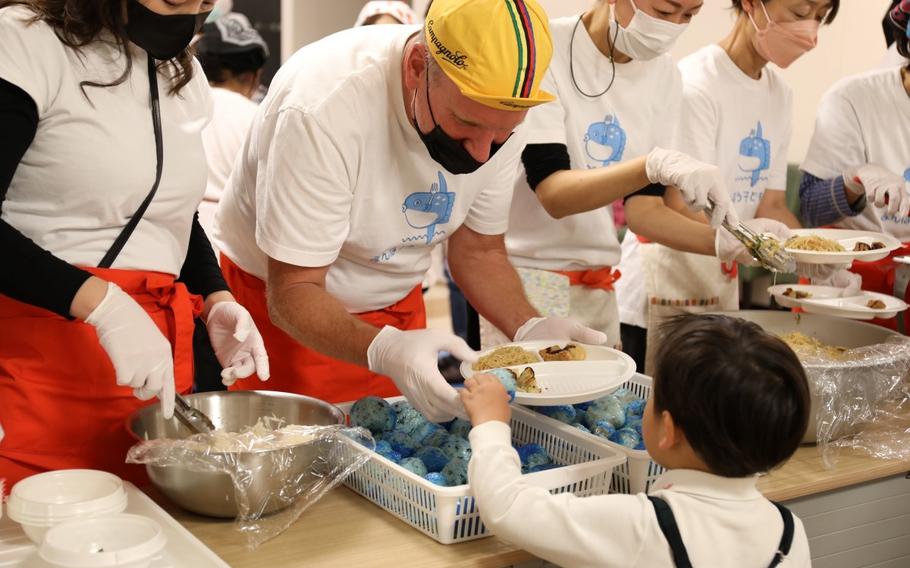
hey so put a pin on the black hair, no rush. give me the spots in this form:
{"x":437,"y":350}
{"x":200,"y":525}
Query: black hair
{"x":829,"y":17}
{"x":896,"y":32}
{"x":217,"y":65}
{"x":738,"y":393}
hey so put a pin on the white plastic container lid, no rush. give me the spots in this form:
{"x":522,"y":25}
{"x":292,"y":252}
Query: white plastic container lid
{"x":49,"y":498}
{"x":112,"y":541}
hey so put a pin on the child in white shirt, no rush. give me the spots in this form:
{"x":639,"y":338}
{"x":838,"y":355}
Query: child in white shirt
{"x":729,"y":402}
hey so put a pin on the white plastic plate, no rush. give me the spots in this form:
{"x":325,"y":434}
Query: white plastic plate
{"x":855,"y":307}
{"x":847,"y":239}
{"x":815,"y":293}
{"x":569,"y":382}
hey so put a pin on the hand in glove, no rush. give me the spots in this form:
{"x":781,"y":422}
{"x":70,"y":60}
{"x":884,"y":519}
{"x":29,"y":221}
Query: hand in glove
{"x":883,"y":187}
{"x":237,"y":343}
{"x":728,"y":248}
{"x":559,"y":329}
{"x":699,"y":183}
{"x":850,"y":282}
{"x":140,"y":353}
{"x":410,"y":358}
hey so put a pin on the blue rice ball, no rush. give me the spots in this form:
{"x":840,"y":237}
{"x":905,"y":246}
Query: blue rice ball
{"x":401,"y":443}
{"x":603,"y":429}
{"x":415,"y":466}
{"x":627,"y":437}
{"x":436,"y":438}
{"x":457,"y":448}
{"x":624,"y":395}
{"x":428,"y":431}
{"x":543,"y":467}
{"x":384,"y":449}
{"x":607,"y":408}
{"x":533,"y":454}
{"x":433,"y":458}
{"x":635,"y":408}
{"x":456,"y":471}
{"x":373,"y":413}
{"x":528,"y":449}
{"x":437,"y":478}
{"x":564,"y":413}
{"x":460,"y":427}
{"x":507,"y":378}
{"x":634,"y":422}
{"x":582,"y":427}
{"x":581,"y":416}
{"x":583,"y":405}
{"x":401,"y":405}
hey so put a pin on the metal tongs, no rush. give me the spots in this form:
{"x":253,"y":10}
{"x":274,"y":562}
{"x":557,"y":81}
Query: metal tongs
{"x":191,"y":417}
{"x":768,"y":251}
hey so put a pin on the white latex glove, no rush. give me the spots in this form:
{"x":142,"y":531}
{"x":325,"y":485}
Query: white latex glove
{"x":140,"y":353}
{"x":881,"y":185}
{"x":699,"y":183}
{"x":410,"y":358}
{"x":728,"y":248}
{"x":559,"y":329}
{"x":851,"y":283}
{"x":237,"y":343}
{"x":818,"y":272}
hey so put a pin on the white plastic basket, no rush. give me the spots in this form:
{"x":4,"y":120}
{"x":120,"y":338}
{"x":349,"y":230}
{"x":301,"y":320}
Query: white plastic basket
{"x":449,"y":514}
{"x":638,"y":472}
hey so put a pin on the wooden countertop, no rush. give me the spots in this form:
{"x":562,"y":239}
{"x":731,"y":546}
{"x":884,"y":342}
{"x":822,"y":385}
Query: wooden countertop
{"x":345,"y":529}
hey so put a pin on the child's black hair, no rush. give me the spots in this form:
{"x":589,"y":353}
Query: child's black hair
{"x":829,"y":17}
{"x":738,"y":393}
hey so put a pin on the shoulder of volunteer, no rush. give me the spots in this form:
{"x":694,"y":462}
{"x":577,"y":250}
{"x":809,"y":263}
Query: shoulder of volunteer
{"x":33,"y":55}
{"x":858,"y":86}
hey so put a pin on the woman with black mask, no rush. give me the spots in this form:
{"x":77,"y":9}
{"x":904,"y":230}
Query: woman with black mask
{"x":104,"y":263}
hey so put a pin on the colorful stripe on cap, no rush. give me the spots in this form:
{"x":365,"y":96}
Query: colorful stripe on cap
{"x":527,"y":55}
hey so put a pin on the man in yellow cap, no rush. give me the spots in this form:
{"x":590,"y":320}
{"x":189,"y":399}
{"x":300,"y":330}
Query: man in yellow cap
{"x":373,"y":146}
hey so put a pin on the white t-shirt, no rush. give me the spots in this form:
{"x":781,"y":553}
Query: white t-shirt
{"x":740,"y":124}
{"x":637,"y":114}
{"x":333,"y":173}
{"x":724,"y":522}
{"x":863,"y":120}
{"x":92,"y":161}
{"x":222,"y":139}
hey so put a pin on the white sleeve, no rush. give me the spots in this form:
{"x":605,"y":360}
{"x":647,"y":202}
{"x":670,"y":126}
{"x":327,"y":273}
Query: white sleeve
{"x":697,"y":128}
{"x":546,"y":123}
{"x":837,"y":141}
{"x":489,"y":213}
{"x":780,"y":158}
{"x":303,"y":204}
{"x":605,"y":530}
{"x":32,"y":57}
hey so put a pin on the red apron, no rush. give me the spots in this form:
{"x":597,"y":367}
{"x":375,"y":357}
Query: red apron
{"x":599,"y":279}
{"x":298,"y":369}
{"x":59,"y":400}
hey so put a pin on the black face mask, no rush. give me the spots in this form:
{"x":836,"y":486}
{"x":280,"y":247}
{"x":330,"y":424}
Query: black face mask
{"x":448,"y":152}
{"x":162,"y":36}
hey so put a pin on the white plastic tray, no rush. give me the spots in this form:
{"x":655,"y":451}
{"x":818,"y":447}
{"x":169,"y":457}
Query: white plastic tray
{"x":450,"y":514}
{"x":569,"y":382}
{"x":848,"y":240}
{"x":855,"y":307}
{"x":183,"y":549}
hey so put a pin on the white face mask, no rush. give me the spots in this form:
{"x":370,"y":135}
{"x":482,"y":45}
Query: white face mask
{"x":646,"y":37}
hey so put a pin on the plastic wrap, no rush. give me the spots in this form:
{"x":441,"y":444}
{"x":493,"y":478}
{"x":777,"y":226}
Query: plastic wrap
{"x":276,"y":471}
{"x":862,"y":399}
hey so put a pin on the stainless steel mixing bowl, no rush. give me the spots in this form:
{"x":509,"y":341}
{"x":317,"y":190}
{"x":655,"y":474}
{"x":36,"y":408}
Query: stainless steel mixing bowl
{"x":833,"y":331}
{"x":212,"y":494}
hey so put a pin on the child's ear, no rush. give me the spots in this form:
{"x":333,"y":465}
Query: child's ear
{"x":670,"y":434}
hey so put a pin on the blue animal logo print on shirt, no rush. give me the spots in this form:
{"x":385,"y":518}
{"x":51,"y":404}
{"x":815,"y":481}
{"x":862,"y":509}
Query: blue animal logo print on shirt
{"x":755,"y":147}
{"x":427,"y":209}
{"x":605,"y":142}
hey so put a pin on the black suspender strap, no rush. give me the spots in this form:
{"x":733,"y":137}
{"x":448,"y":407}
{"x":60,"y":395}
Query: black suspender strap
{"x":787,"y":539}
{"x":668,"y":526}
{"x":124,"y":235}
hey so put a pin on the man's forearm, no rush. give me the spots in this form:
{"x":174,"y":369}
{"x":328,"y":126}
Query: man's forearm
{"x":490,"y":282}
{"x":315,"y":318}
{"x":568,"y":192}
{"x":648,"y":217}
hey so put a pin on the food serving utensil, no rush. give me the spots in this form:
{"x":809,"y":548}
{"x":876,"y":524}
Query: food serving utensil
{"x":767,"y":250}
{"x":191,"y":417}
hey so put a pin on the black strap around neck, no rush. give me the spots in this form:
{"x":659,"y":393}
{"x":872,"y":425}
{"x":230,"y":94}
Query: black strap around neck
{"x":668,"y":526}
{"x":124,"y":235}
